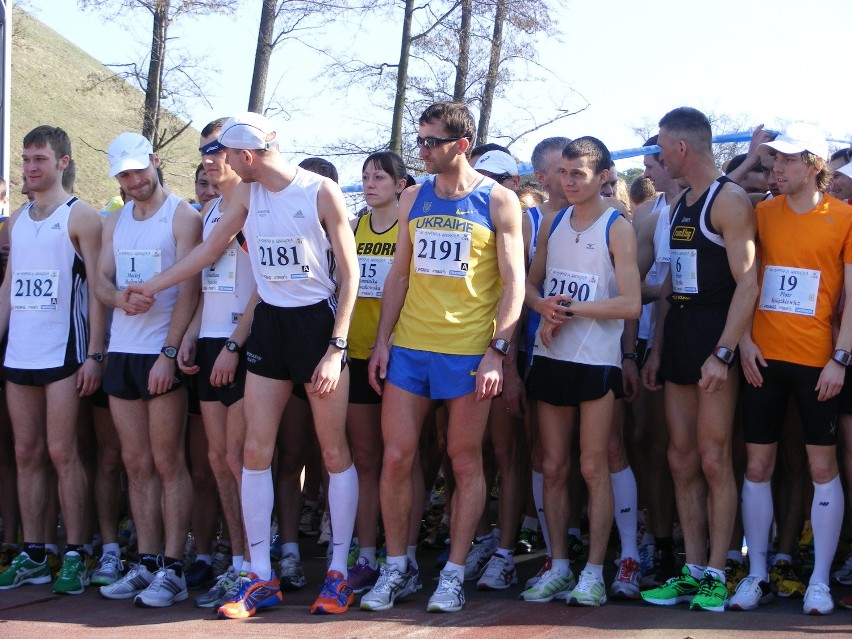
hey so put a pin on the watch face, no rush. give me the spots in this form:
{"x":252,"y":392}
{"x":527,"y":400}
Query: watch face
{"x":98,"y":357}
{"x":501,"y":346}
{"x":232,"y":346}
{"x":170,"y":352}
{"x":339,"y":342}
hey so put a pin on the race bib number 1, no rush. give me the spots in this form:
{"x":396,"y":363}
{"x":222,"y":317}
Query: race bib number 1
{"x":373,"y":272}
{"x":135,"y":266}
{"x":35,"y":290}
{"x":221,"y":276}
{"x":444,"y":253}
{"x":580,"y":286}
{"x":789,"y":290}
{"x":684,"y":268}
{"x":282,"y":258}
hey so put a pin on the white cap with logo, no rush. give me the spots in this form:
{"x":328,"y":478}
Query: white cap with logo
{"x":497,"y":163}
{"x":129,"y":152}
{"x":249,"y":131}
{"x":801,"y":137}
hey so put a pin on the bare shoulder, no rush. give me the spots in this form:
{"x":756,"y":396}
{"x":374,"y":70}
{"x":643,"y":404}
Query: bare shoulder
{"x":505,"y":207}
{"x":731,"y":207}
{"x":406,"y":199}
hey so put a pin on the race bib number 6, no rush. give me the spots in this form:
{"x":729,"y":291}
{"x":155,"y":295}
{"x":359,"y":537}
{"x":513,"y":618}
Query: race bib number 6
{"x":789,"y":290}
{"x":580,"y":286}
{"x":282,"y":258}
{"x":444,"y":253}
{"x":684,"y":268}
{"x":135,"y":266}
{"x":35,"y":290}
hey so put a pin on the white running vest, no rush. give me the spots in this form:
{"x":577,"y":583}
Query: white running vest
{"x":141,"y":250}
{"x":579,"y":264}
{"x":226,"y":284}
{"x":49,"y":304}
{"x":290,"y":252}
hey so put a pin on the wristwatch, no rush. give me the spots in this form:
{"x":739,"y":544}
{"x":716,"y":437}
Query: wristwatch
{"x":169,"y":351}
{"x":725,"y":355}
{"x":98,"y":357}
{"x":842,"y":357}
{"x":339,"y":342}
{"x":501,"y":346}
{"x":633,"y":356}
{"x":232,"y":347}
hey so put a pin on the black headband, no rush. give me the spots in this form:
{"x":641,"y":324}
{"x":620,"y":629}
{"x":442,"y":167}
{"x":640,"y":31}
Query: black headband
{"x":212,"y":147}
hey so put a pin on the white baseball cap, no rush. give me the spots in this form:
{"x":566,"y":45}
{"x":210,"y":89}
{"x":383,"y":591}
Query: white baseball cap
{"x":800,"y":137}
{"x":248,"y":131}
{"x":497,"y":163}
{"x":129,"y":152}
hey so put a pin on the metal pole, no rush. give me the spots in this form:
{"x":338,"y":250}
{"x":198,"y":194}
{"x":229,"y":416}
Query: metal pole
{"x":6,"y":98}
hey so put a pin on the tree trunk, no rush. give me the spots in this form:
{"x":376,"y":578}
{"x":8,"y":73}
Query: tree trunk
{"x":151,"y":116}
{"x":491,"y":77}
{"x":401,"y":80}
{"x":463,"y":63}
{"x":262,"y":56}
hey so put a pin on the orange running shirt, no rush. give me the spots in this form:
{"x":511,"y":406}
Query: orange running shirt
{"x":802,"y":259}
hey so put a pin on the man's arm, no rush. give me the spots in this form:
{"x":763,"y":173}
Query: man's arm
{"x":186,"y":228}
{"x":105,"y":286}
{"x":394,"y":292}
{"x":833,"y":374}
{"x":646,"y":255}
{"x":733,"y":215}
{"x":334,"y":218}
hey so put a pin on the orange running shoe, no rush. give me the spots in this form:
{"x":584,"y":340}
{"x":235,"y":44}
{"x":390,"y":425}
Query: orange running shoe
{"x":254,"y":593}
{"x":336,"y":595}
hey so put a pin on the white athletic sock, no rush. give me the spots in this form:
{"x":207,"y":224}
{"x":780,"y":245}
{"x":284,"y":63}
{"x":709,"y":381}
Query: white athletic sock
{"x":237,"y":562}
{"x":595,"y":569}
{"x":757,"y":513}
{"x":52,"y":548}
{"x":735,"y":555}
{"x":455,"y":568}
{"x":561,"y":567}
{"x":624,"y":502}
{"x":826,"y":520}
{"x":89,"y":549}
{"x":368,"y":553}
{"x":411,"y":553}
{"x":207,"y":559}
{"x":342,"y":502}
{"x":400,"y":563}
{"x":530,"y":522}
{"x":719,"y":575}
{"x":257,"y":496}
{"x":112,"y":549}
{"x":538,"y":499}
{"x":246,"y":567}
{"x":508,"y":554}
{"x":696,"y":571}
{"x":780,"y":556}
{"x":291,"y":548}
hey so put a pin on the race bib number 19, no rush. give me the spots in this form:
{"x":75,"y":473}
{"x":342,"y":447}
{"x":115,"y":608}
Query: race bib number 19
{"x":684,"y":268}
{"x":35,"y":290}
{"x":282,"y":258}
{"x":444,"y":253}
{"x":789,"y":290}
{"x":135,"y":266}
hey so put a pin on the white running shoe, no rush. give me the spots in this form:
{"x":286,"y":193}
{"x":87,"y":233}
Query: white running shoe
{"x":818,"y":600}
{"x":499,"y":574}
{"x":166,"y":589}
{"x":448,"y":596}
{"x":750,"y":593}
{"x":137,"y":579}
{"x":551,"y":586}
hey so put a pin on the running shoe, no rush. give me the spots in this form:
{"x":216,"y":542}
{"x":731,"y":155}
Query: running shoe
{"x":448,"y":596}
{"x":7,"y":555}
{"x":325,"y":529}
{"x":108,"y":570}
{"x":438,"y":538}
{"x":219,"y":589}
{"x":550,"y":586}
{"x":575,"y":547}
{"x":626,"y":584}
{"x":335,"y":597}
{"x":532,"y":581}
{"x":291,"y":575}
{"x":24,"y":571}
{"x":499,"y":574}
{"x":354,"y":553}
{"x":254,"y":593}
{"x":735,"y":572}
{"x":222,"y":558}
{"x":390,"y":586}
{"x":275,"y":551}
{"x":751,"y":592}
{"x":362,"y":576}
{"x":309,"y":521}
{"x":842,"y":575}
{"x":647,"y":553}
{"x":199,"y":575}
{"x":137,"y":579}
{"x":818,"y":600}
{"x":73,"y":577}
{"x":529,"y":541}
{"x":166,"y":589}
{"x":664,"y":569}
{"x":477,"y":558}
{"x":711,"y":595}
{"x":845,"y":602}
{"x":785,"y":581}
{"x":54,"y":563}
{"x":590,"y":590}
{"x":683,"y":587}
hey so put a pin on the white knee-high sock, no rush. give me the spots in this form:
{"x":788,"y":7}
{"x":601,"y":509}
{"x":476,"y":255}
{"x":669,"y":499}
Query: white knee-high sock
{"x":757,"y":513}
{"x":257,"y":496}
{"x":826,"y":520}
{"x":538,"y":499}
{"x":624,"y":500}
{"x":343,"y":503}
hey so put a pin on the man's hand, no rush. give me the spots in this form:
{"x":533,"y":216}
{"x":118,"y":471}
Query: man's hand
{"x":714,"y":373}
{"x":651,"y":371}
{"x":327,"y":373}
{"x":830,"y":380}
{"x":89,"y":377}
{"x":162,"y":376}
{"x":630,"y":379}
{"x":224,"y":368}
{"x":377,"y":367}
{"x":489,"y":376}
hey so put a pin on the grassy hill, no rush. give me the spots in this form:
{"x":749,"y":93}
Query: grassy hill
{"x":54,"y":82}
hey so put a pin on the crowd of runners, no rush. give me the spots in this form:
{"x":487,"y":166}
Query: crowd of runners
{"x":652,"y":372}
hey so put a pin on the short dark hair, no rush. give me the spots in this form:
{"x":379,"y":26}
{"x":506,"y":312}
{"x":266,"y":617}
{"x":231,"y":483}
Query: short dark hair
{"x":652,"y":141}
{"x":200,"y":168}
{"x":641,"y":189}
{"x":592,"y":148}
{"x":213,"y":127}
{"x":320,"y":166}
{"x":734,"y":162}
{"x":482,"y":149}
{"x":691,"y":126}
{"x":544,"y":147}
{"x":455,"y":117}
{"x":389,"y":162}
{"x":52,"y":136}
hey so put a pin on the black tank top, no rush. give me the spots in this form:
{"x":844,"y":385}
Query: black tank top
{"x":699,"y":260}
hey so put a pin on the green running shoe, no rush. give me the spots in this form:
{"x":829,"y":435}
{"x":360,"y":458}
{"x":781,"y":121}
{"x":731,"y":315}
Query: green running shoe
{"x":711,"y":595}
{"x":73,"y":577}
{"x":683,"y":587}
{"x":24,"y":571}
